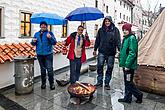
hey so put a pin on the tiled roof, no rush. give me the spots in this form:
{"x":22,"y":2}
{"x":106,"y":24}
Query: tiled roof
{"x":9,"y":51}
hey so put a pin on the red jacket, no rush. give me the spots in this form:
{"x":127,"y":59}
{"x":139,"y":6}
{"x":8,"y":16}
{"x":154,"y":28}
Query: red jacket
{"x":71,"y":40}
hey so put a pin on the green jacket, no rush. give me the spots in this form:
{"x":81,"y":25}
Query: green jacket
{"x":129,"y":52}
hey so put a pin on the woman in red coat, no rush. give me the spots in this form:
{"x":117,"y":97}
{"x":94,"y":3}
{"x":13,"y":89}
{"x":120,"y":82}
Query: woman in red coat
{"x":76,"y":55}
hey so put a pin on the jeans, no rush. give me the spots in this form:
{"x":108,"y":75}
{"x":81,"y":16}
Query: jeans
{"x":46,"y":64}
{"x":75,"y":67}
{"x":130,"y":88}
{"x":100,"y":64}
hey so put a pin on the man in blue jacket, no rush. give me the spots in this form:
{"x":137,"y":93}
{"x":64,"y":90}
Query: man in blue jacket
{"x":44,"y":41}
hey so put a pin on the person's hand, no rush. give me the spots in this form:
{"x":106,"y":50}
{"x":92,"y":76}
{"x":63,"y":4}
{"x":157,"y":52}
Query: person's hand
{"x":127,"y":69}
{"x":94,"y":53}
{"x":117,"y":55}
{"x":34,"y":40}
{"x":48,"y":36}
{"x":86,"y":36}
{"x":63,"y":42}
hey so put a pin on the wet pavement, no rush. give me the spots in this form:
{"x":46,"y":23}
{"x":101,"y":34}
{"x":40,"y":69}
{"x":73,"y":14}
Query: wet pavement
{"x":59,"y":99}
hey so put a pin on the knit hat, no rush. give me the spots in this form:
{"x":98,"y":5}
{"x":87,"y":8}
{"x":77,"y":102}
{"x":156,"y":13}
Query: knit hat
{"x":127,"y":26}
{"x":43,"y":22}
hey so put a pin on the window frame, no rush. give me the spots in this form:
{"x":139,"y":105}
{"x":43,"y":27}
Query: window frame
{"x":65,"y":28}
{"x":1,"y":22}
{"x":107,"y":10}
{"x":124,"y":16}
{"x":25,"y":22}
{"x":120,"y":3}
{"x":50,"y":27}
{"x":96,"y":30}
{"x":96,"y":3}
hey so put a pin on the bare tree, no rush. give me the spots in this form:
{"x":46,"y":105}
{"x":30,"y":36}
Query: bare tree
{"x":151,"y":15}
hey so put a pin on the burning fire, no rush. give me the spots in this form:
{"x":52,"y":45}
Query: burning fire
{"x":81,"y":90}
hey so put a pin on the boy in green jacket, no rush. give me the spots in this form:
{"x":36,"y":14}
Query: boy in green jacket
{"x":128,"y":60}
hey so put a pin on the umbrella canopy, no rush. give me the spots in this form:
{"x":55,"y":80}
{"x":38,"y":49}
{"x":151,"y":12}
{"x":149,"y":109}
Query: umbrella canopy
{"x":50,"y":18}
{"x":85,"y":14}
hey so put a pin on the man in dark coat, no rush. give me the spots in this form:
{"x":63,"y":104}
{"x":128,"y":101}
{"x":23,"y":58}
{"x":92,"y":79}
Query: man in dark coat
{"x":107,"y":41}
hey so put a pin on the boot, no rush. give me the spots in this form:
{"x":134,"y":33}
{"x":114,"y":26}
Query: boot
{"x":107,"y":87}
{"x":43,"y":86}
{"x":124,"y":100}
{"x":52,"y":86}
{"x":139,"y":100}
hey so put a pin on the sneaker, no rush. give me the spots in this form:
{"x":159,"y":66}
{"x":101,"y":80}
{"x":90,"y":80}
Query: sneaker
{"x":43,"y":86}
{"x":107,"y":87}
{"x":52,"y":87}
{"x":98,"y":84}
{"x":139,"y":100}
{"x":124,"y":100}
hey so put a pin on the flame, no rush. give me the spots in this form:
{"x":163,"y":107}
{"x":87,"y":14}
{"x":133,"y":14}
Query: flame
{"x":80,"y":90}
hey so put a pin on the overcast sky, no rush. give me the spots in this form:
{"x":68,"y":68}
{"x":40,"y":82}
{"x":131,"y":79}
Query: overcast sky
{"x":145,"y":3}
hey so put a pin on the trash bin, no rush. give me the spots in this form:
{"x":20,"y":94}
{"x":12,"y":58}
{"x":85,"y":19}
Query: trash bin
{"x":24,"y":74}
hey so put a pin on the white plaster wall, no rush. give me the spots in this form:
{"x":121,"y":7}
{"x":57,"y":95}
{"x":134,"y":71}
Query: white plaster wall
{"x":6,"y":74}
{"x":122,"y":10}
{"x":12,"y":9}
{"x":137,"y":14}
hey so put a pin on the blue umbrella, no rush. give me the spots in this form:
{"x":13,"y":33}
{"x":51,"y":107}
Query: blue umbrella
{"x":50,"y":18}
{"x":85,"y":14}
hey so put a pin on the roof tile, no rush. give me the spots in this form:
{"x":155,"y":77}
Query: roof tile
{"x":8,"y":52}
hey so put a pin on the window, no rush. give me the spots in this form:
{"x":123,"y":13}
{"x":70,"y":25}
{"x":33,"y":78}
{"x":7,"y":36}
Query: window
{"x":124,"y":5}
{"x":65,"y":29}
{"x":83,"y":24}
{"x":127,"y":18}
{"x":115,"y":15}
{"x":96,"y":30}
{"x":96,"y":3}
{"x":139,"y":21}
{"x":49,"y":27}
{"x":0,"y":22}
{"x":25,"y":24}
{"x":143,"y":22}
{"x":115,"y":0}
{"x":124,"y":17}
{"x":120,"y":15}
{"x":120,"y":3}
{"x":107,"y":9}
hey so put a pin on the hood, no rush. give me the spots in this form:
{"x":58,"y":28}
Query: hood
{"x":111,"y":27}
